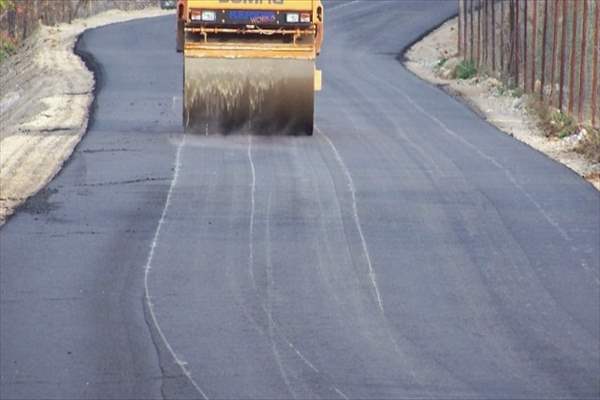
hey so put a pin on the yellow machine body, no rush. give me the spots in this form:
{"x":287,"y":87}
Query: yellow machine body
{"x":250,"y":64}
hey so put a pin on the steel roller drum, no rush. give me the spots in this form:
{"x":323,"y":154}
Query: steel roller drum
{"x":248,"y":95}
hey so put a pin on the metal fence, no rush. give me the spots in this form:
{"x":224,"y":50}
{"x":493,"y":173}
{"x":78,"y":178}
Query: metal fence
{"x":547,"y":47}
{"x":19,"y":18}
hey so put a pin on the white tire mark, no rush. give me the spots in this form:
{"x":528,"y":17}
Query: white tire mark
{"x":252,"y":213}
{"x":273,"y":329}
{"x":342,"y":394}
{"x":365,"y":248}
{"x":269,"y":303}
{"x":338,"y":6}
{"x":563,"y":233}
{"x":182,"y":364}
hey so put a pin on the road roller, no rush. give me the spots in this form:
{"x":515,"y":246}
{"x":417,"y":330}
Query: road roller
{"x":249,"y":65}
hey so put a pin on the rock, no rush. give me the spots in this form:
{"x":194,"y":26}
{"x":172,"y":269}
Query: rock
{"x":517,"y":103}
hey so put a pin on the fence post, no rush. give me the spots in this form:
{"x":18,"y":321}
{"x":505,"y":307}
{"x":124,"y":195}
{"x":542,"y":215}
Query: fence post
{"x":582,"y":62}
{"x":494,"y":35}
{"x":12,"y":22}
{"x":595,"y":71}
{"x":478,"y":33}
{"x":544,"y":35}
{"x":554,"y":45}
{"x":464,"y":8}
{"x":563,"y":39}
{"x":471,"y":38}
{"x":459,"y":37}
{"x":486,"y":33}
{"x":525,"y":45}
{"x":502,"y":37}
{"x":44,"y":12}
{"x":573,"y":57}
{"x":63,"y":10}
{"x":25,"y":21}
{"x":533,"y":45}
{"x":517,"y":42}
{"x":510,"y":62}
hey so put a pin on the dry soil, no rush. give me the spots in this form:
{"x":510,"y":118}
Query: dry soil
{"x":45,"y":97}
{"x":488,"y":97}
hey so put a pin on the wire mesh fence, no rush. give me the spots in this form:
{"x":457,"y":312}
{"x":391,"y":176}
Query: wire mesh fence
{"x":19,"y":18}
{"x":549,"y":48}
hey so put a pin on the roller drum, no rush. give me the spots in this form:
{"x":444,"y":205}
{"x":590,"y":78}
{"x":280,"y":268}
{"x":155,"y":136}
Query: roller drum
{"x":238,"y":95}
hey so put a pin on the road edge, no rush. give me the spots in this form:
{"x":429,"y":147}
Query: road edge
{"x":23,"y":174}
{"x":564,"y":157}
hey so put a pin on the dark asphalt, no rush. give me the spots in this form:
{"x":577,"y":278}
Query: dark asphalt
{"x":408,"y":249}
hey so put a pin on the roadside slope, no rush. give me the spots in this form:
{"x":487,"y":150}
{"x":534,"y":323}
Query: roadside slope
{"x":47,"y":92}
{"x":434,"y":59}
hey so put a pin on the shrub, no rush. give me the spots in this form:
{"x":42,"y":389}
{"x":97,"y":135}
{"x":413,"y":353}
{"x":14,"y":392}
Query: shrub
{"x":553,"y":122}
{"x":590,"y":145}
{"x":563,"y":124}
{"x":465,"y":70}
{"x":441,"y":62}
{"x":7,"y":46}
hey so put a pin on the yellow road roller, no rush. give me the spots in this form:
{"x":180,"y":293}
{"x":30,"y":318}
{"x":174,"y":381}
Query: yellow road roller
{"x":249,"y":65}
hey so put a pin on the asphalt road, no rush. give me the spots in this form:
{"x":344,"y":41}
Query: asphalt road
{"x":408,"y":249}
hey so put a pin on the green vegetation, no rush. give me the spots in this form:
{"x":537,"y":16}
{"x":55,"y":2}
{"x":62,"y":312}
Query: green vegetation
{"x":510,"y":91}
{"x":562,"y":124}
{"x":7,"y":46}
{"x":516,"y":92}
{"x":441,"y":62}
{"x":465,"y":70}
{"x":5,"y":5}
{"x":553,"y":122}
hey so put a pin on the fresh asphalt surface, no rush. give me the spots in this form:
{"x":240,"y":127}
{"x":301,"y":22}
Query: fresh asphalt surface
{"x":408,"y":249}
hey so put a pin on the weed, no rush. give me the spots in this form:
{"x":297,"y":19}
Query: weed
{"x":7,"y":46}
{"x":465,"y":70}
{"x":590,"y":145}
{"x":553,"y":122}
{"x":6,"y":5}
{"x":517,"y":92}
{"x":441,"y":62}
{"x":564,"y":125}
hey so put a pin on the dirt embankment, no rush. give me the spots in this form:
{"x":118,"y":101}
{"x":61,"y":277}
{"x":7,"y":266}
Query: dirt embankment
{"x":434,"y":60}
{"x":45,"y":97}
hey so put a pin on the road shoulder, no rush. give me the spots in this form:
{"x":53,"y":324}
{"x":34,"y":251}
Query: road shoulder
{"x":434,"y":58}
{"x":47,"y":93}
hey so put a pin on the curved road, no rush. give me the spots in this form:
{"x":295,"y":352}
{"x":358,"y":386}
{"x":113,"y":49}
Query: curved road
{"x":408,"y":249}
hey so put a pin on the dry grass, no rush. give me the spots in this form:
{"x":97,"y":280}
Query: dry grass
{"x":553,"y":122}
{"x":557,"y":124}
{"x":590,"y":145}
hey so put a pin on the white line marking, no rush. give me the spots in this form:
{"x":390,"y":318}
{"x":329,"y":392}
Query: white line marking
{"x":356,"y":218}
{"x":272,"y":326}
{"x":310,"y":365}
{"x":269,"y":305}
{"x":342,"y":394}
{"x":175,"y":99}
{"x":252,"y":212}
{"x":338,"y":6}
{"x":498,"y":165}
{"x":148,"y":267}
